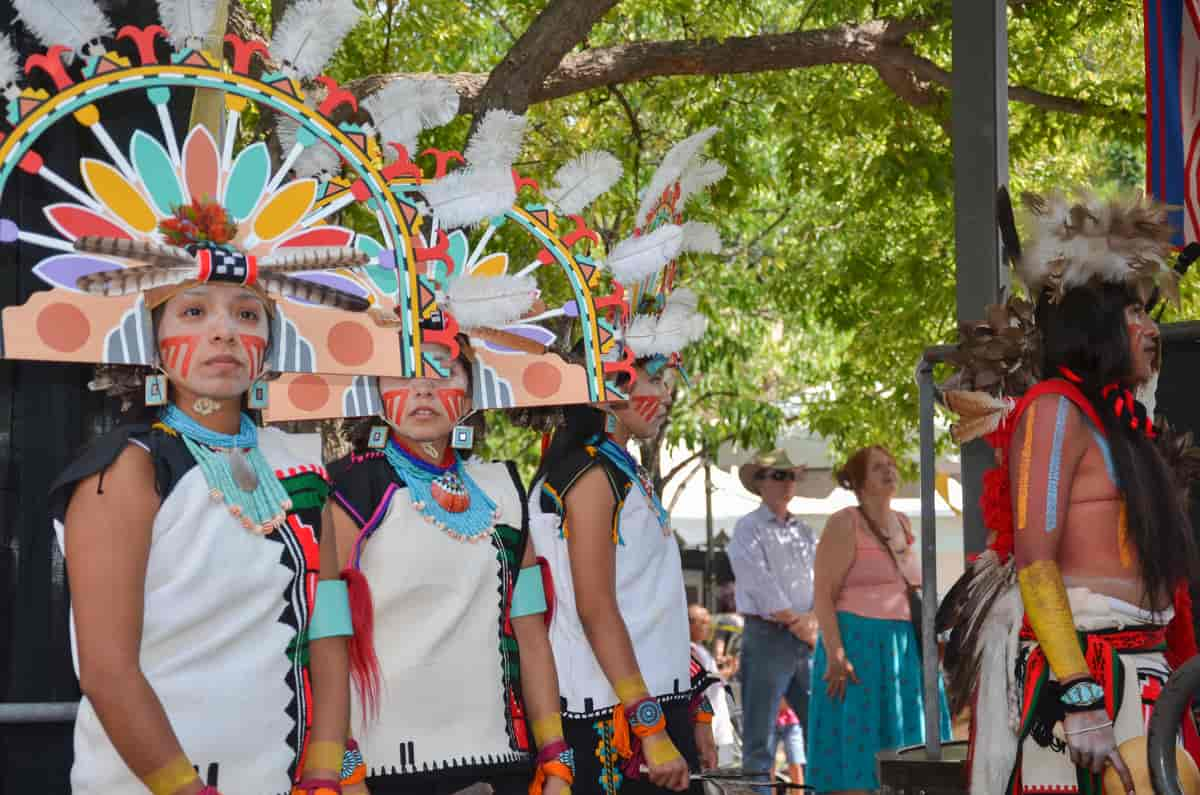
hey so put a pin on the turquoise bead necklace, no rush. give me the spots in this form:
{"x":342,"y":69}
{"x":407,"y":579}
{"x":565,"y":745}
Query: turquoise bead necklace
{"x":446,"y":496}
{"x":235,"y":470}
{"x":624,"y":461}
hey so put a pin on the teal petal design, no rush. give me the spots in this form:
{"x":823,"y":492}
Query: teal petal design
{"x":153,"y":166}
{"x":247,"y":180}
{"x":384,"y":279}
{"x":460,"y":249}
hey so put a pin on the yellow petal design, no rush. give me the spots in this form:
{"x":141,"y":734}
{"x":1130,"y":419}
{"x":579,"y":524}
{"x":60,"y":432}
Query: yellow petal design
{"x":491,"y":265}
{"x":121,"y":198}
{"x":285,"y":209}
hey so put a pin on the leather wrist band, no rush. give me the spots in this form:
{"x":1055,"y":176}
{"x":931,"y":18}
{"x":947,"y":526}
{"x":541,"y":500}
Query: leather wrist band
{"x":1082,"y":695}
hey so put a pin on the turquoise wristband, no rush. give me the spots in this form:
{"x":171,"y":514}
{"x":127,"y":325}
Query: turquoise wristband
{"x":529,"y":596}
{"x":331,"y":614}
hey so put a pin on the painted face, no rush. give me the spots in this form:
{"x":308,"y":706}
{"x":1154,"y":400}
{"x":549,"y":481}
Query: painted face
{"x":882,"y":479}
{"x":212,"y":340}
{"x":649,"y":402}
{"x":1143,"y":342}
{"x":426,"y":409}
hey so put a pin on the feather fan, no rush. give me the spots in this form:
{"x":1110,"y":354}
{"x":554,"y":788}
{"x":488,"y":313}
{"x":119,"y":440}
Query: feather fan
{"x":490,"y":301}
{"x":470,"y":195}
{"x":635,"y":258}
{"x":979,"y":413}
{"x":497,"y":139}
{"x":310,"y":32}
{"x":10,"y":63}
{"x":314,"y":159}
{"x":700,"y":238}
{"x":581,"y":181}
{"x":673,"y":165}
{"x":698,"y":176}
{"x":1071,"y":241}
{"x":406,"y":106}
{"x":188,"y":22}
{"x":72,"y":23}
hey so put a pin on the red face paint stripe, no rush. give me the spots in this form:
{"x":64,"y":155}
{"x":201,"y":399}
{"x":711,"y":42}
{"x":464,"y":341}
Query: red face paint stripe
{"x":170,"y":347}
{"x":393,"y":404}
{"x":646,"y":406}
{"x":255,"y":347}
{"x":453,"y":401}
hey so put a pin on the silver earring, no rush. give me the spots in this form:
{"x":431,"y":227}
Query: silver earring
{"x":156,"y":389}
{"x":259,"y":395}
{"x":378,"y":438}
{"x":610,"y":423}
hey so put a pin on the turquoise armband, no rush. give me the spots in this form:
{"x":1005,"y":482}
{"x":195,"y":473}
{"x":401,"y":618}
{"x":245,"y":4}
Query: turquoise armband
{"x":529,"y":595}
{"x":331,"y":614}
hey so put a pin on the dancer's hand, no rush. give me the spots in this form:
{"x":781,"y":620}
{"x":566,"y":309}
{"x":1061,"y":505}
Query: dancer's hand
{"x":671,"y":770}
{"x":1092,"y":744}
{"x":838,"y":670}
{"x":706,"y":746}
{"x":555,"y":786}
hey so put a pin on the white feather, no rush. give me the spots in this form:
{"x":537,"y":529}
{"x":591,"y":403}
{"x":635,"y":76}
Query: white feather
{"x":701,"y":238}
{"x":310,"y":32}
{"x":406,"y":106}
{"x":490,"y":301}
{"x":581,"y":181}
{"x":10,"y":62}
{"x":470,"y":195}
{"x":671,"y":168}
{"x":314,"y":159}
{"x":699,"y":175}
{"x":640,"y":332}
{"x":187,"y":20}
{"x":497,"y":139}
{"x":72,"y":23}
{"x":679,"y":325}
{"x":635,"y":258}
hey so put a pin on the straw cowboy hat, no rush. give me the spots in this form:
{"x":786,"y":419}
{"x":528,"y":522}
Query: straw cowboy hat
{"x":775,"y":459}
{"x":1133,"y":751}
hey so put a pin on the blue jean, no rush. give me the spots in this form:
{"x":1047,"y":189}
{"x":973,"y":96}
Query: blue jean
{"x":775,"y":663}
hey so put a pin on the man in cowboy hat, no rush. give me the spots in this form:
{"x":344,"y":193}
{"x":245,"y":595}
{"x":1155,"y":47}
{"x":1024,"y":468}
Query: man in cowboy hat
{"x":772,"y":555}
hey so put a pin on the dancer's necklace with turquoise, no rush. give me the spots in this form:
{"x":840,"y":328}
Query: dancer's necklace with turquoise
{"x":235,"y":470}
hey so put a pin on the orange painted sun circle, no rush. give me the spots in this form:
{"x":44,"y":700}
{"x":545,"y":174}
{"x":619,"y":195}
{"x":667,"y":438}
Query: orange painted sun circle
{"x":350,"y":343}
{"x":308,"y":392}
{"x":541,"y":379}
{"x":63,"y":327}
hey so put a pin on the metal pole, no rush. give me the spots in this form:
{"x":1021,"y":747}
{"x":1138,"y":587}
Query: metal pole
{"x":46,"y":712}
{"x":929,"y":658}
{"x":707,"y":597}
{"x":979,"y":121}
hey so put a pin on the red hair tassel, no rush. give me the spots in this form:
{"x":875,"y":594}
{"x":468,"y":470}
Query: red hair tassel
{"x":364,"y":665}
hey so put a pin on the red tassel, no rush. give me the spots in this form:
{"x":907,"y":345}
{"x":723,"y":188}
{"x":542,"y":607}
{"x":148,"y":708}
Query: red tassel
{"x":547,"y":588}
{"x":1181,"y":632}
{"x":364,"y":665}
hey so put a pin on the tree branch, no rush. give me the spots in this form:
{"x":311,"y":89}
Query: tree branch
{"x":878,"y":44}
{"x":561,"y":25}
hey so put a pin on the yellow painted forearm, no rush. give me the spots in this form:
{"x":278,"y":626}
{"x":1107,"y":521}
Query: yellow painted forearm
{"x":1049,"y":612}
{"x":170,"y":777}
{"x":631,"y":689}
{"x":547,"y":728}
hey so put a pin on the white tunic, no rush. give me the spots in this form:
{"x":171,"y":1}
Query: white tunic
{"x":650,"y":596}
{"x":222,"y":607}
{"x":438,"y":608}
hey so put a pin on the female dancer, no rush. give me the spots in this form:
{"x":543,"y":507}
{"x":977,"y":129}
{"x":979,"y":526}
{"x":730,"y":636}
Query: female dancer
{"x":620,"y":625}
{"x":207,"y":616}
{"x":464,"y":660}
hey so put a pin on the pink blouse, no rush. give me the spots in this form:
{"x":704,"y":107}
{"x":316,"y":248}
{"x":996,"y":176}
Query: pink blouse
{"x":872,"y":588}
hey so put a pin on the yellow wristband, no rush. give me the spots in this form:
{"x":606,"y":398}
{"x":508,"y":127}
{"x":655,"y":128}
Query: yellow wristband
{"x":547,"y":728}
{"x":171,"y":777}
{"x":631,"y":689}
{"x":325,"y":755}
{"x":660,"y":749}
{"x":1049,"y":611}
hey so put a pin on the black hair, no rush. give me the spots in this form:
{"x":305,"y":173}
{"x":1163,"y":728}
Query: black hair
{"x":358,"y":431}
{"x":580,"y":424}
{"x":1086,"y":333}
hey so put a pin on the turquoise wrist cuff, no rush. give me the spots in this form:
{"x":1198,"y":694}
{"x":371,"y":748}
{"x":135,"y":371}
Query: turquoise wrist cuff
{"x":529,"y":596}
{"x":331,"y":614}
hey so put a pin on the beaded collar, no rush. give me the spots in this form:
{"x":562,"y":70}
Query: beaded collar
{"x":445,"y":495}
{"x":624,"y":461}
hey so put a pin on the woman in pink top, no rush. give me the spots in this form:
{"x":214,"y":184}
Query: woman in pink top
{"x":867,"y":654}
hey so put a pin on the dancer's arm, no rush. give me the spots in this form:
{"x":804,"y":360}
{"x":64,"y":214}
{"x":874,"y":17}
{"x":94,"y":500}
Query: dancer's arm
{"x":539,"y":678}
{"x":330,"y":670}
{"x":108,"y":533}
{"x":588,"y":512}
{"x":1043,"y":459}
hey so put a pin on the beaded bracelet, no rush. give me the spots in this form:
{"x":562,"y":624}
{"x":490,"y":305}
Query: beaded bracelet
{"x":354,"y":768}
{"x":646,"y":717}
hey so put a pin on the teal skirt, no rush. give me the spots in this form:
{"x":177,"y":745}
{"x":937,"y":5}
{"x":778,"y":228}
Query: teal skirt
{"x":885,"y":710}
